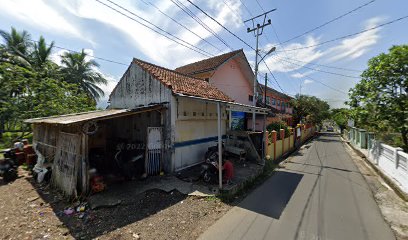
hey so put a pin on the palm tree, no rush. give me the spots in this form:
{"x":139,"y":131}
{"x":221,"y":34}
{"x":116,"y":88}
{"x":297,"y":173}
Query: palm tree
{"x":41,"y":53}
{"x":77,"y":69}
{"x":17,"y":44}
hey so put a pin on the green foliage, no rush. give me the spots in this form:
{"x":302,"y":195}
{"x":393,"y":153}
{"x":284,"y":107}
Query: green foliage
{"x":276,"y":126}
{"x":379,"y":102}
{"x":28,"y":94}
{"x":34,"y":86}
{"x":340,"y":116}
{"x":310,"y":109}
{"x":77,"y":69}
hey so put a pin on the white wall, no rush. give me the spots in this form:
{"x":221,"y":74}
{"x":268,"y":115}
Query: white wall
{"x":393,"y":162}
{"x":138,"y":88}
{"x":195,"y":130}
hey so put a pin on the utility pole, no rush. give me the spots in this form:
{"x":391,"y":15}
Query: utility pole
{"x":264,"y":143}
{"x":258,"y":30}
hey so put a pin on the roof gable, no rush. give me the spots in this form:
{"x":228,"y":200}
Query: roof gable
{"x":182,"y":84}
{"x":207,"y":64}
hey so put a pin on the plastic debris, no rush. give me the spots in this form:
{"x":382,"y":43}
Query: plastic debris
{"x":69,"y":211}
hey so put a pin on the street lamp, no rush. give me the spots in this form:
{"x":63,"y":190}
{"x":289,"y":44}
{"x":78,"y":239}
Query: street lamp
{"x":256,"y":80}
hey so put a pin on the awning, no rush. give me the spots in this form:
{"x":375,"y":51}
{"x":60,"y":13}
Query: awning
{"x":93,"y":115}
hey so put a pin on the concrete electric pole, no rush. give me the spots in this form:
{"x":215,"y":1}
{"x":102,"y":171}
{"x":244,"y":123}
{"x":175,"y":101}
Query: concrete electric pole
{"x":258,"y":30}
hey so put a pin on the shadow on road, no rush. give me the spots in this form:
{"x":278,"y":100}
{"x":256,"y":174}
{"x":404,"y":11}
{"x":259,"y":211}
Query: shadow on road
{"x":278,"y":196}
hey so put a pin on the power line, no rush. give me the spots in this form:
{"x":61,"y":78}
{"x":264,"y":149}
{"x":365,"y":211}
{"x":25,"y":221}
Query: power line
{"x":70,"y":50}
{"x":187,"y":45}
{"x":317,"y":70}
{"x":326,"y":23}
{"x":260,"y":6}
{"x":183,"y":26}
{"x":274,"y":78}
{"x":243,"y":4}
{"x":326,"y":85}
{"x":161,"y":29}
{"x":349,"y":35}
{"x":322,"y":65}
{"x":186,"y":10}
{"x":238,"y":39}
{"x":220,"y":24}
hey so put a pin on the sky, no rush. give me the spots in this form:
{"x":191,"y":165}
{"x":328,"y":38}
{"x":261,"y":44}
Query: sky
{"x":108,"y":34}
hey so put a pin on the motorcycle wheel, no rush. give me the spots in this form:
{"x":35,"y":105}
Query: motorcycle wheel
{"x":10,"y":175}
{"x":207,"y":177}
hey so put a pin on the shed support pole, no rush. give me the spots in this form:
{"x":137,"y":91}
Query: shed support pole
{"x":219,"y":145}
{"x":230,"y":120}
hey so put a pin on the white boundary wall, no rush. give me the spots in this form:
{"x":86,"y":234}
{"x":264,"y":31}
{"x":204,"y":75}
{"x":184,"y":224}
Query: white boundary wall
{"x":393,"y":162}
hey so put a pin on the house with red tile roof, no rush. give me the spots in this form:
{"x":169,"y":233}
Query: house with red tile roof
{"x":232,"y":74}
{"x":158,"y":120}
{"x":229,"y":72}
{"x":190,"y":114}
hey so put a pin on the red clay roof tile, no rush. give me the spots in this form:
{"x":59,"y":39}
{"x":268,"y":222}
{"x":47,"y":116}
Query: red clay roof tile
{"x":180,"y":83}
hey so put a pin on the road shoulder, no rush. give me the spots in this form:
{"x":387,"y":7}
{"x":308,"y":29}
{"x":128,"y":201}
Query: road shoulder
{"x":393,"y":208}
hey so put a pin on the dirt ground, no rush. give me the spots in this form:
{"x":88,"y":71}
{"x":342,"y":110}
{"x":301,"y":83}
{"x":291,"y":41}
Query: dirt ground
{"x":393,"y":208}
{"x":32,"y":211}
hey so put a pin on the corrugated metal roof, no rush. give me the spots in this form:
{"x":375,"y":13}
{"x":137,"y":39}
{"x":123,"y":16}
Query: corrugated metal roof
{"x":93,"y":115}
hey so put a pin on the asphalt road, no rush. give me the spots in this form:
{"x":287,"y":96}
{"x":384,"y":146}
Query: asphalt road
{"x":320,"y":194}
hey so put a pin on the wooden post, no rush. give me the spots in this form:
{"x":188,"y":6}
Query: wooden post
{"x":84,"y":164}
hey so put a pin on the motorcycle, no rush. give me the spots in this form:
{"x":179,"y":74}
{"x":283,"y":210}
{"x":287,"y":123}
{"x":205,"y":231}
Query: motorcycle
{"x":130,"y":161}
{"x":209,"y":169}
{"x":8,"y":170}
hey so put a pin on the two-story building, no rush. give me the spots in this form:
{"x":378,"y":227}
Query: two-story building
{"x":232,"y":74}
{"x":279,"y":103}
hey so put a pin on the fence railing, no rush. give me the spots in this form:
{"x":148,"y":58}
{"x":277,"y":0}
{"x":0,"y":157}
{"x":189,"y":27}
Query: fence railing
{"x":277,"y":148}
{"x":391,"y":161}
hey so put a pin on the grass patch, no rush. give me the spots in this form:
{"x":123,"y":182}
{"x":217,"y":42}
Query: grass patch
{"x":211,"y":198}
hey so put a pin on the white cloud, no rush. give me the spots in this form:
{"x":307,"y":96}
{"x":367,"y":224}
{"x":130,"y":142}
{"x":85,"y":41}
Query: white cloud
{"x":276,"y":63}
{"x":308,"y":81}
{"x":302,"y":75}
{"x":41,"y":15}
{"x":348,"y":49}
{"x":358,"y":45}
{"x":159,"y":49}
{"x":56,"y":56}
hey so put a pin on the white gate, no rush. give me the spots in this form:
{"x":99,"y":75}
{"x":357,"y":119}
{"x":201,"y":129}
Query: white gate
{"x":154,"y":150}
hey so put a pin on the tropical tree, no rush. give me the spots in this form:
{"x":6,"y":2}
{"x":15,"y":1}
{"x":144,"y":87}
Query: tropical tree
{"x":340,"y":116}
{"x":78,"y":69}
{"x":310,"y":109}
{"x":380,"y":100}
{"x":26,"y":93}
{"x":41,"y":53}
{"x":18,"y":45}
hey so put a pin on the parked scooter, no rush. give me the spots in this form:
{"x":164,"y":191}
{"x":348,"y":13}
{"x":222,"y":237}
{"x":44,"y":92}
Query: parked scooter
{"x":8,"y":170}
{"x":209,"y":169}
{"x":130,"y":161}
